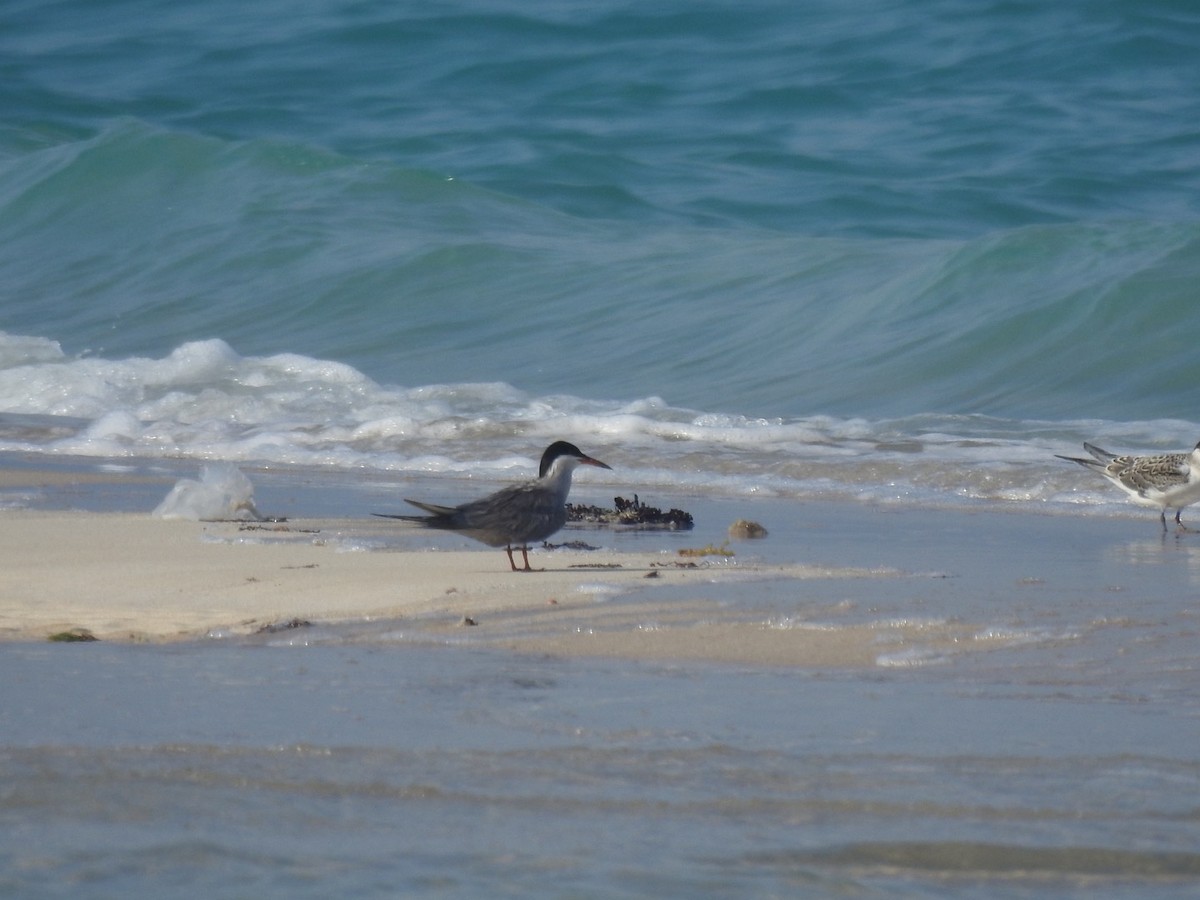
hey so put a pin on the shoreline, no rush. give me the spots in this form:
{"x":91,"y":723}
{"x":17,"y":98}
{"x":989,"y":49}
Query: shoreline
{"x":134,"y":578}
{"x":833,"y":585}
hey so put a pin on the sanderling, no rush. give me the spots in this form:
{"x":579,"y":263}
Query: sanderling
{"x":1167,"y":481}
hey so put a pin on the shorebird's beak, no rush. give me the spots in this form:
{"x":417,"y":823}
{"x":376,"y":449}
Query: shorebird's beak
{"x":588,"y":461}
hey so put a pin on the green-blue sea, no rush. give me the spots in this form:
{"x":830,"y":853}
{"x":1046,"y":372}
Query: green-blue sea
{"x":881,"y":255}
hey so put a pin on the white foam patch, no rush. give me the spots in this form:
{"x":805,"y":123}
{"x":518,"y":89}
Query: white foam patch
{"x":222,"y":492}
{"x":911,"y":657}
{"x":599,"y":590}
{"x":19,"y":350}
{"x":204,"y":401}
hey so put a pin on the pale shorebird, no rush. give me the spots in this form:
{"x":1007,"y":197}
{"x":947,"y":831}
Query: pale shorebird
{"x":1167,"y":481}
{"x":514,"y":515}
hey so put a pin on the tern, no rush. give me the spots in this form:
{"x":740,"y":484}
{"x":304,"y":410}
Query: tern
{"x":1168,"y":481}
{"x":515,"y":515}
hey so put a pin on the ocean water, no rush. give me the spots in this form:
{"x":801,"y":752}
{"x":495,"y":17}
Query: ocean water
{"x":900,"y":251}
{"x":1037,"y":738}
{"x":1047,"y":749}
{"x":888,"y":255}
{"x":420,"y":772}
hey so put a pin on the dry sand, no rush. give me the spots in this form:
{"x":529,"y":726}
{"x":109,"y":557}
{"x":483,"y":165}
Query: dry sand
{"x":132,"y":577}
{"x":123,"y":576}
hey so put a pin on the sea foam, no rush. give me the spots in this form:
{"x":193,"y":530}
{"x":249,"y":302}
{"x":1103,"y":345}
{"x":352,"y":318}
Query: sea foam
{"x":205,"y":401}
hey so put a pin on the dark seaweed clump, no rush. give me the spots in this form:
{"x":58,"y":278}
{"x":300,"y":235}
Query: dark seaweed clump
{"x":73,"y":636}
{"x":631,"y":514}
{"x":284,"y":625}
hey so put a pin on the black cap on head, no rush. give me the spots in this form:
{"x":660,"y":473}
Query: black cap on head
{"x":553,"y":452}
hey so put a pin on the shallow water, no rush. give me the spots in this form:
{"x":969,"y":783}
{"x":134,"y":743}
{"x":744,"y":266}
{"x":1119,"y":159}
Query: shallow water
{"x":878,"y":263}
{"x":1036,"y":734}
{"x":152,"y":771}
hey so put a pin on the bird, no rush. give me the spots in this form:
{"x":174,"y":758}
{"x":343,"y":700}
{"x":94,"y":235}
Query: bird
{"x":1167,"y":481}
{"x":515,"y":515}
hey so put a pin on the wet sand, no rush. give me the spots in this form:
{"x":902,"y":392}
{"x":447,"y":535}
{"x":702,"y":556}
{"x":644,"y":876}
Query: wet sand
{"x":832,"y":586}
{"x":132,"y":577}
{"x":872,"y":694}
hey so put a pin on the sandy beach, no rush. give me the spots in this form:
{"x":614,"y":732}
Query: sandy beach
{"x":832,"y":586}
{"x":997,"y":695}
{"x":133,"y":577}
{"x":122,"y":576}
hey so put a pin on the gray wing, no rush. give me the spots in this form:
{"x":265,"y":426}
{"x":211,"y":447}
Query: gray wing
{"x":1106,"y":463}
{"x":1150,"y":473}
{"x":1103,"y":455}
{"x":523,"y":512}
{"x":433,"y":508}
{"x":439,"y":516}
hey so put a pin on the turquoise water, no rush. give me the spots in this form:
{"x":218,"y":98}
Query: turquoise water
{"x":1048,"y":751}
{"x":807,"y":250}
{"x":883,"y":256}
{"x":758,"y":209}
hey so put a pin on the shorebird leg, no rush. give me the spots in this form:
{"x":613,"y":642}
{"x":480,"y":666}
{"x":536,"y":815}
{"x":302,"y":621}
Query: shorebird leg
{"x":1162,"y":517}
{"x":524,"y":555}
{"x":1179,"y":522}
